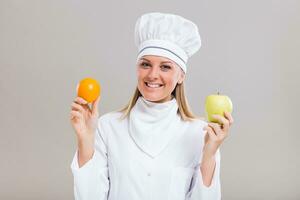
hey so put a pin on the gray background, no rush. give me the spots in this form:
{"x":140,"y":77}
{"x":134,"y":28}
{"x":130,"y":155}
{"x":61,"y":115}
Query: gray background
{"x":250,"y":52}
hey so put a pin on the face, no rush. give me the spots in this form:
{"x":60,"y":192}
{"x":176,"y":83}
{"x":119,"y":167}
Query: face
{"x":158,"y":77}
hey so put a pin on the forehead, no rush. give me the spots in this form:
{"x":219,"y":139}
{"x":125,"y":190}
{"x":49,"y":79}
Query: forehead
{"x":154,"y":58}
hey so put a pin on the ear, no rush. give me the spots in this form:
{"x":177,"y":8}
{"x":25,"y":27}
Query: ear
{"x":181,"y":78}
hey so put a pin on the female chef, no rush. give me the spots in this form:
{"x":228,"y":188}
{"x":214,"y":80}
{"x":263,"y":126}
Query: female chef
{"x":154,"y":148}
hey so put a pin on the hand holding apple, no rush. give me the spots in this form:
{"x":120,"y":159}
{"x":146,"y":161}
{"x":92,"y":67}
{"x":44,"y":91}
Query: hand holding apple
{"x":218,"y":111}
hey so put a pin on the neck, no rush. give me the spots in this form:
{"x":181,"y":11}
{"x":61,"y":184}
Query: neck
{"x":169,"y":98}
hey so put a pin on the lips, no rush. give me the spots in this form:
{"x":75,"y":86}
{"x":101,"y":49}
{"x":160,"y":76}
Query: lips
{"x":153,"y":85}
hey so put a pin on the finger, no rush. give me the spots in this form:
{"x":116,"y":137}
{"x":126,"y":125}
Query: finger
{"x":222,"y":121}
{"x":83,"y":102}
{"x":76,"y":114}
{"x":95,"y":106}
{"x":77,"y":107}
{"x":229,"y":117}
{"x":210,"y":132}
{"x":84,"y":109}
{"x":80,"y":100}
{"x":72,"y":116}
{"x":216,"y":127}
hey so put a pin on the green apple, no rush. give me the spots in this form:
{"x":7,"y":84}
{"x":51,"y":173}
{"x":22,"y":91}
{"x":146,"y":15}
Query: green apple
{"x":217,"y":104}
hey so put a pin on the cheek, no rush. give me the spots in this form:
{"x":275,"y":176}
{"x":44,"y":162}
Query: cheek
{"x":170,"y":82}
{"x":139,"y":74}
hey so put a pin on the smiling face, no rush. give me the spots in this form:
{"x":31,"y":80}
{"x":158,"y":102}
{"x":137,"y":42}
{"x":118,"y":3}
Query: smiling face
{"x":158,"y":77}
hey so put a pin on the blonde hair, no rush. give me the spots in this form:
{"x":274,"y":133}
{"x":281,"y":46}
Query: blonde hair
{"x":179,"y":93}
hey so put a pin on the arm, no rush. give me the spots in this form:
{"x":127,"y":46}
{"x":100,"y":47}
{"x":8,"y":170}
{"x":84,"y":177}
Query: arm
{"x":85,"y":151}
{"x":207,"y":168}
{"x":202,"y":189}
{"x":91,"y":175}
{"x":206,"y":182}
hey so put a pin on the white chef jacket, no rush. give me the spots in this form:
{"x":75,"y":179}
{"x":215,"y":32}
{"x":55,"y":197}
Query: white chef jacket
{"x":150,"y":155}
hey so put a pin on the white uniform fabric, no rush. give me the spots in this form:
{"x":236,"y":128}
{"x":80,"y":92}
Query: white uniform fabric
{"x":167,"y":35}
{"x":152,"y":155}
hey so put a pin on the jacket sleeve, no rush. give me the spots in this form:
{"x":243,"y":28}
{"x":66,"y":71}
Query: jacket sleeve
{"x":91,"y":181}
{"x":198,"y":191}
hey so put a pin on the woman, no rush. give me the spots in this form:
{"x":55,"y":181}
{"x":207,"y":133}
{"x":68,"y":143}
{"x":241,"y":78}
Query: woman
{"x":154,"y":148}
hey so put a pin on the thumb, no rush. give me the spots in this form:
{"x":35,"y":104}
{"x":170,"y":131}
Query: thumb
{"x":95,"y":106}
{"x":210,"y":133}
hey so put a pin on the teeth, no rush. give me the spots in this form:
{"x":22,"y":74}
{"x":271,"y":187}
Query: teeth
{"x":153,"y":85}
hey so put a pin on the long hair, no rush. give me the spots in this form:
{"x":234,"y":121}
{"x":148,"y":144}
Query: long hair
{"x":183,"y":107}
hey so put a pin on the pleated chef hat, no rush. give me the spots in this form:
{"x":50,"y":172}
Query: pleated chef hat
{"x":167,"y":35}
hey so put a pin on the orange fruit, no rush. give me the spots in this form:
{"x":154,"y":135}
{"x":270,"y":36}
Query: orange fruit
{"x":88,"y":89}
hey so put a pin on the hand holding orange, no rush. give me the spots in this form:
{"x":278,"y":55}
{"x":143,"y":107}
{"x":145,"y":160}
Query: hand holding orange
{"x":88,"y":89}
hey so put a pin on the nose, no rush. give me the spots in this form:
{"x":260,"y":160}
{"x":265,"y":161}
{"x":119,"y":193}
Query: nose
{"x":153,"y":72}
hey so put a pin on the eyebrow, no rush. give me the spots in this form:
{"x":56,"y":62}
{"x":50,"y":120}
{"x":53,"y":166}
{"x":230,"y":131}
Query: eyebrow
{"x":161,"y":62}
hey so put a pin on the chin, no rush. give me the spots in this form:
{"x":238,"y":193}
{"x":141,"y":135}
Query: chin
{"x":154,"y":98}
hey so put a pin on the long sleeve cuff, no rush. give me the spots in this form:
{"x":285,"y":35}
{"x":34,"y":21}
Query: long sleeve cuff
{"x":200,"y":191}
{"x":90,"y":180}
{"x":75,"y":165}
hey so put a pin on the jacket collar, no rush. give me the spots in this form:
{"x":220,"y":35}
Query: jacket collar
{"x":153,"y":125}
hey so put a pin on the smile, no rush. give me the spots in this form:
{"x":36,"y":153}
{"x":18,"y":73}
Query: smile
{"x":149,"y":85}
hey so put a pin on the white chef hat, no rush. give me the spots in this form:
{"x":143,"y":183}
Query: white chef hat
{"x":167,"y":35}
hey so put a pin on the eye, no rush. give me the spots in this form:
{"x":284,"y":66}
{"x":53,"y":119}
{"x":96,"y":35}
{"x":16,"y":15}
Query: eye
{"x":166,"y":67}
{"x":144,"y":64}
